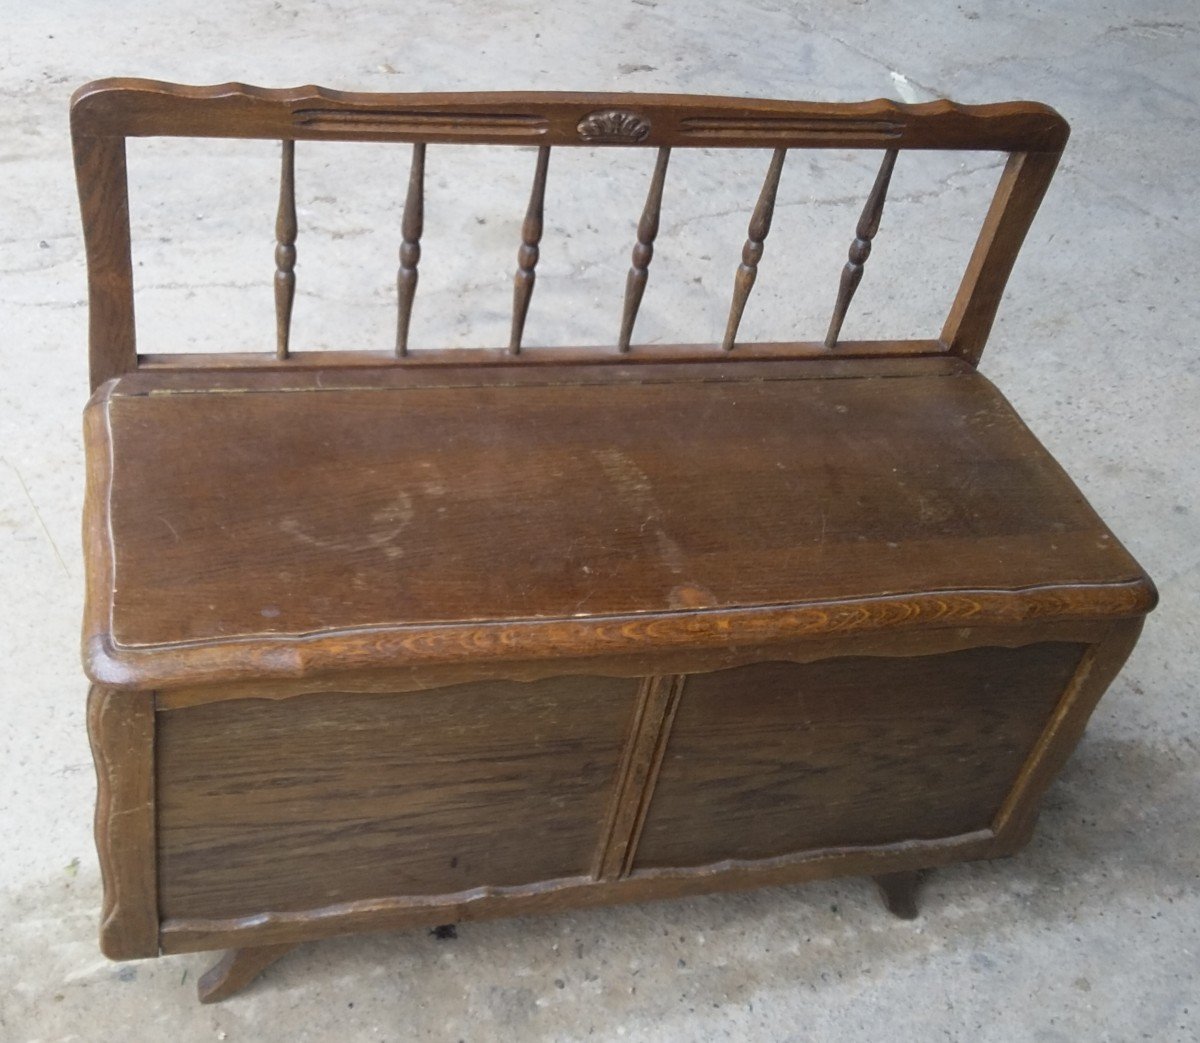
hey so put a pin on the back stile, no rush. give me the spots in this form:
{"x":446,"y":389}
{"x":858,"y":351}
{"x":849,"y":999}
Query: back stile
{"x":643,"y":250}
{"x":860,"y":249}
{"x":285,"y":250}
{"x":760,"y":226}
{"x":100,"y":172}
{"x":1019,"y":193}
{"x":411,"y":227}
{"x":527,"y":254}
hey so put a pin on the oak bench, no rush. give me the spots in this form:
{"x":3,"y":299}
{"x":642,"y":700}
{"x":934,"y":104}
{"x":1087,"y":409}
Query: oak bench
{"x":384,"y":639}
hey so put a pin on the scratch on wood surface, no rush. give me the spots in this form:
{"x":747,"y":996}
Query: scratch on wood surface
{"x":391,"y":519}
{"x":174,"y":532}
{"x":634,"y":488}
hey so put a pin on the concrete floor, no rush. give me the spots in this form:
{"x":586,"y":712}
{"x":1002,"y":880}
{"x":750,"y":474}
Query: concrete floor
{"x":1094,"y":932}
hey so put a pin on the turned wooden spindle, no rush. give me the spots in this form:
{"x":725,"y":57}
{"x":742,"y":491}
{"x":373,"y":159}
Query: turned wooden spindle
{"x":760,"y":225}
{"x":411,"y":227}
{"x":643,"y":249}
{"x":527,"y":255}
{"x":860,"y":249}
{"x":285,"y":250}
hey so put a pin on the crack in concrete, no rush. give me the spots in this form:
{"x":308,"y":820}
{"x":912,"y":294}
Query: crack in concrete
{"x":62,"y":305}
{"x":37,"y":514}
{"x":1161,"y":222}
{"x":817,"y":31}
{"x":944,"y":186}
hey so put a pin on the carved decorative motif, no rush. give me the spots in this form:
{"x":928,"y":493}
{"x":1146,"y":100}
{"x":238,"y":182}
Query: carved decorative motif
{"x":613,"y":128}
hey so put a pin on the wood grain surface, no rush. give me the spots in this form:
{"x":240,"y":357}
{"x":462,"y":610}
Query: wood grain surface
{"x":137,"y":107}
{"x":121,"y":728}
{"x":403,"y":912}
{"x":335,"y":798}
{"x":775,"y":758}
{"x":671,"y":502}
{"x":392,"y":639}
{"x":106,"y":112}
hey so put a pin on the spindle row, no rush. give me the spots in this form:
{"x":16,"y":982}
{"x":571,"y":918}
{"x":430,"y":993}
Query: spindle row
{"x":412,"y":227}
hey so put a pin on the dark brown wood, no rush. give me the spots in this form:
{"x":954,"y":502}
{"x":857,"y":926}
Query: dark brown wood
{"x":606,"y":354}
{"x":237,"y":969}
{"x":103,"y":113}
{"x":135,"y":107}
{"x":1091,"y":679}
{"x":650,"y":663}
{"x":626,"y":794}
{"x":412,"y":225}
{"x":760,"y":226}
{"x":1024,"y":182}
{"x":860,"y":249}
{"x":491,"y":785}
{"x":358,"y":552}
{"x":121,"y":730}
{"x":899,"y":893}
{"x":755,"y":618}
{"x":658,"y":702}
{"x":399,"y":912}
{"x":188,"y":934}
{"x":104,"y":204}
{"x":643,"y":250}
{"x":535,"y":366}
{"x":285,"y":250}
{"x":757,"y":763}
{"x":527,"y":255}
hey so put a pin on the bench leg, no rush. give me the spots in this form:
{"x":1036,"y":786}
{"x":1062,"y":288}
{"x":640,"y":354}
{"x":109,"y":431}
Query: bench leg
{"x":237,"y":969}
{"x":899,"y":892}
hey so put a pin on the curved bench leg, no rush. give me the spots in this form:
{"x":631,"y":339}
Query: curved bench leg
{"x":899,"y":892}
{"x":237,"y":969}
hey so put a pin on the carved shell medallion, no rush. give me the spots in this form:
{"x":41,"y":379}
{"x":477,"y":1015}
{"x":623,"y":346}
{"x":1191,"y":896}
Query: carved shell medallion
{"x":613,"y":128}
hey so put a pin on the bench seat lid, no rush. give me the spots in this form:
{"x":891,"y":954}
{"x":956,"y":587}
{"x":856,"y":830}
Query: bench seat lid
{"x":280,"y":524}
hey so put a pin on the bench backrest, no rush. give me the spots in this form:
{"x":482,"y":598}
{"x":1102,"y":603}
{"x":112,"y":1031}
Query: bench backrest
{"x":105,"y":113}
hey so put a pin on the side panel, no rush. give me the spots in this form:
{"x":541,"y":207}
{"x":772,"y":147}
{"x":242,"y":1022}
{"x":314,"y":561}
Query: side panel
{"x":779,"y":758}
{"x":331,"y":798}
{"x":121,"y":730}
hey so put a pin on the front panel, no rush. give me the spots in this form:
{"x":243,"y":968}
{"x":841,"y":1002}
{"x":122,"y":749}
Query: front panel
{"x":316,"y":800}
{"x":311,"y":801}
{"x":780,"y":758}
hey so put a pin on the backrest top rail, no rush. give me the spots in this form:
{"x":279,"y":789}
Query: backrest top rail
{"x":142,"y":108}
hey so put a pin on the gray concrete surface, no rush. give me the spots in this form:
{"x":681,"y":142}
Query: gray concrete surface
{"x":1094,"y":932}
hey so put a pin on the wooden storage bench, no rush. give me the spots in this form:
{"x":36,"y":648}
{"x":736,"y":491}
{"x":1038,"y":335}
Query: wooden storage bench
{"x":391,"y":639}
